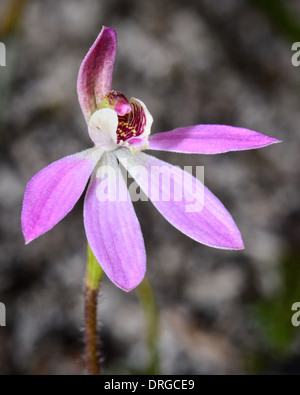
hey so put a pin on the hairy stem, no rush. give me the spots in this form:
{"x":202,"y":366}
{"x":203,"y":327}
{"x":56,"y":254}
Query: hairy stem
{"x":92,"y":285}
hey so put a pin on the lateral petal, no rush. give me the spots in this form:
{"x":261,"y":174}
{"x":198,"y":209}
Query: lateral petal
{"x":52,"y":193}
{"x":209,"y":139}
{"x":206,"y":221}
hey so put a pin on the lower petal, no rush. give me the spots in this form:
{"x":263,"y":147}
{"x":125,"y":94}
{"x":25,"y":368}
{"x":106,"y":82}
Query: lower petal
{"x":206,"y":221}
{"x":52,"y":193}
{"x":112,"y":228}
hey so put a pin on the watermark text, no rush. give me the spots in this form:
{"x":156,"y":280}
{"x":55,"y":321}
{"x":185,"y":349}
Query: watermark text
{"x":2,"y":314}
{"x":296,"y":316}
{"x":2,"y":54}
{"x":159,"y":184}
{"x":296,"y":56}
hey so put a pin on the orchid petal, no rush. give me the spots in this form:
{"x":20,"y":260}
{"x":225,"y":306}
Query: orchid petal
{"x":95,"y":74}
{"x":112,"y":228}
{"x":52,"y":193}
{"x":211,"y":224}
{"x":209,"y":139}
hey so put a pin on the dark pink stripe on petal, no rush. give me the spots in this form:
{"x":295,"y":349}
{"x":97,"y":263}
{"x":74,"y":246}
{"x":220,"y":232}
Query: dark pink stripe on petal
{"x":52,"y":193}
{"x":209,"y":139}
{"x":112,"y":228}
{"x":95,"y":74}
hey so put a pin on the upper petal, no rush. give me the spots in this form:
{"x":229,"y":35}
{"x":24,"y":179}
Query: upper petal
{"x":206,"y":221}
{"x":209,"y":139}
{"x":52,"y":193}
{"x":96,"y":70}
{"x":111,"y":225}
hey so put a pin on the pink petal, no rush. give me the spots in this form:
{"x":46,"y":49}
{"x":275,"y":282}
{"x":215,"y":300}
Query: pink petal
{"x":211,"y":224}
{"x":52,"y":193}
{"x":209,"y":139}
{"x":112,"y":228}
{"x":95,"y":74}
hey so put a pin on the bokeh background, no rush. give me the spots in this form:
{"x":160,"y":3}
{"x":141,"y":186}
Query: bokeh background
{"x":192,"y":61}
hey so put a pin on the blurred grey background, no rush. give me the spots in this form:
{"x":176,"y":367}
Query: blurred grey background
{"x":192,"y":61}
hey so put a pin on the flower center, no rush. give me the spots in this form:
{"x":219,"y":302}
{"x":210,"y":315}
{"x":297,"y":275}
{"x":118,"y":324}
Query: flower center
{"x":131,"y":125}
{"x":125,"y":131}
{"x":119,"y":122}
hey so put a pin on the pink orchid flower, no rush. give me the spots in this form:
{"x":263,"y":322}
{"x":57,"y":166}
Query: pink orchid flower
{"x":120,"y":130}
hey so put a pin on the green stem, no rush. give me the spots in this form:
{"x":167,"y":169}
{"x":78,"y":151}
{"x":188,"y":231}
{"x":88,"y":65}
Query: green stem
{"x":92,"y":285}
{"x":148,"y":305}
